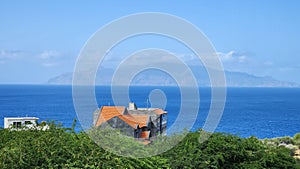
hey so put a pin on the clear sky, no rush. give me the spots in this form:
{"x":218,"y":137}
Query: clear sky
{"x":42,"y":39}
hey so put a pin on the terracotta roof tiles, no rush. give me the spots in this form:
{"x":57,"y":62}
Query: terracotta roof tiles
{"x":109,"y":112}
{"x":160,"y":111}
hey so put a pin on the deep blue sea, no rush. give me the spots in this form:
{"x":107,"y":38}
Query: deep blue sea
{"x":260,"y":112}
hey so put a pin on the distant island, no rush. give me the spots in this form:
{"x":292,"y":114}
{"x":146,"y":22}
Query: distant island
{"x":159,"y":78}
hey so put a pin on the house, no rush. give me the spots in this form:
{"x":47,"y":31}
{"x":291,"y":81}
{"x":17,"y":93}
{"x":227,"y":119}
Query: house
{"x":140,"y":123}
{"x":19,"y":122}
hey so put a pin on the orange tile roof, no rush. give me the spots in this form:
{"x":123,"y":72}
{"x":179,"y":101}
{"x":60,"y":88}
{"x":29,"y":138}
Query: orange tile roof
{"x":145,"y":134}
{"x":129,"y":120}
{"x":160,"y":111}
{"x":108,"y":112}
{"x":142,"y":120}
{"x":135,"y":120}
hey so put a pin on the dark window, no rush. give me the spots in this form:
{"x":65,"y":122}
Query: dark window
{"x":28,"y":122}
{"x":136,"y":133}
{"x":17,"y":124}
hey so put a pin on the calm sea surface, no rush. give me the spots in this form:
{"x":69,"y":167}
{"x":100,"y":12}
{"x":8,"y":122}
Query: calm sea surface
{"x":262,"y":112}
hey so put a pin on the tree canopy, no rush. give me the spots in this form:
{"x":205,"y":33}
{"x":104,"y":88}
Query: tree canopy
{"x":63,"y":148}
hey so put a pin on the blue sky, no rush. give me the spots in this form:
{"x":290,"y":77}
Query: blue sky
{"x":42,"y":39}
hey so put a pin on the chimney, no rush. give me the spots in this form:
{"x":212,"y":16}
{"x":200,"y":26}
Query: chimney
{"x":131,"y":106}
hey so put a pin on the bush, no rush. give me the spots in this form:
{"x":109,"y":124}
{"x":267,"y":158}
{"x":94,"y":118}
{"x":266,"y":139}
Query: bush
{"x":60,"y":148}
{"x":228,"y":151}
{"x":296,"y":139}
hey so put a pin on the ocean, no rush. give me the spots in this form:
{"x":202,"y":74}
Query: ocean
{"x":260,"y":112}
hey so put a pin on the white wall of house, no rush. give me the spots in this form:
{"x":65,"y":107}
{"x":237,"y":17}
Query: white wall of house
{"x":22,"y":121}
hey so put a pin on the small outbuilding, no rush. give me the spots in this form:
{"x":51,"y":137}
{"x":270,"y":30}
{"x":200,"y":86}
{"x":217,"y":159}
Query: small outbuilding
{"x":20,"y":122}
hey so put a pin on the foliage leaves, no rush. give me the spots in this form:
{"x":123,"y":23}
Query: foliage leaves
{"x":62,"y":148}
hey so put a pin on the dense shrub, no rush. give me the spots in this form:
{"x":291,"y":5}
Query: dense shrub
{"x":228,"y":151}
{"x":63,"y":148}
{"x":296,"y":139}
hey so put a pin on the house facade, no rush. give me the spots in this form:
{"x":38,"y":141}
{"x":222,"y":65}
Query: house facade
{"x":24,"y":123}
{"x":140,"y":123}
{"x":19,"y":122}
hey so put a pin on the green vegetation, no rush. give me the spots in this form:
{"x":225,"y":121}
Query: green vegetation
{"x":63,"y":148}
{"x":296,"y":139}
{"x":292,"y":143}
{"x":281,"y":140}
